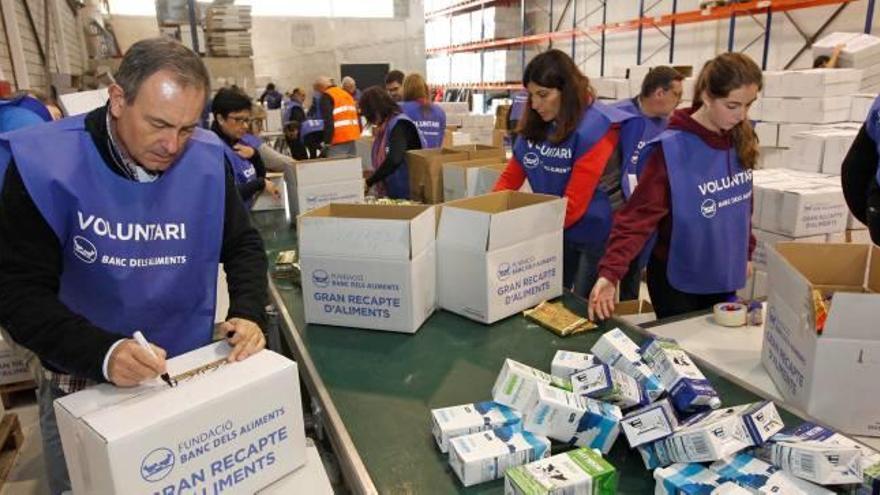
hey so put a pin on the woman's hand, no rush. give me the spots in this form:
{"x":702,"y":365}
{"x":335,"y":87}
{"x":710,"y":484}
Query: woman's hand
{"x":272,"y":189}
{"x":602,"y":299}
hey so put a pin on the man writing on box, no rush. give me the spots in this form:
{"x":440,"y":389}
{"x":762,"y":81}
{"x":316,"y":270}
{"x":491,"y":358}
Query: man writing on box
{"x":116,"y":221}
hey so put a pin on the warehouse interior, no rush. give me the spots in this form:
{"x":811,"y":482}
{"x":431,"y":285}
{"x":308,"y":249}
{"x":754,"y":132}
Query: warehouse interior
{"x":439,"y":246}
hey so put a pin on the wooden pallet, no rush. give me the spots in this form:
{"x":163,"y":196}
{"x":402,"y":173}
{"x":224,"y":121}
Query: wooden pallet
{"x":11,"y":441}
{"x":10,"y":392}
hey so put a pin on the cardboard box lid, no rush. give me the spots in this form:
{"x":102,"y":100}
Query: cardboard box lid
{"x":851,"y":271}
{"x":367,"y":231}
{"x":436,"y":155}
{"x":495,"y":220}
{"x":324,"y":170}
{"x":478,"y":150}
{"x":475,"y":163}
{"x":114,"y":412}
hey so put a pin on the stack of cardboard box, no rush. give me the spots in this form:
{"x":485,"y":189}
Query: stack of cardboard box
{"x":228,"y":29}
{"x":860,"y":51}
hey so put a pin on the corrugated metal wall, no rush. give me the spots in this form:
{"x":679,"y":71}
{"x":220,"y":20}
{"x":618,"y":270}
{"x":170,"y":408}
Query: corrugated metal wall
{"x":5,"y":57}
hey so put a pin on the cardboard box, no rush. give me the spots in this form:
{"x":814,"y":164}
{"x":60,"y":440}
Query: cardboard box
{"x":617,"y":350}
{"x":502,"y":116}
{"x":311,"y":478}
{"x":516,"y":384}
{"x":580,"y":471}
{"x":314,"y":183}
{"x":501,"y":139}
{"x":499,"y":254}
{"x":837,"y":145}
{"x":649,"y":423}
{"x":475,"y":151}
{"x":460,"y":178}
{"x":760,"y":477}
{"x":13,"y":365}
{"x":486,"y":456}
{"x":809,"y":368}
{"x":767,"y":240}
{"x":823,"y":82}
{"x":568,"y":418}
{"x":368,"y":266}
{"x":801,"y":211}
{"x":364,"y":151}
{"x":474,"y":120}
{"x":787,"y":131}
{"x":567,"y":363}
{"x":426,"y":172}
{"x":861,"y":106}
{"x":455,"y":421}
{"x":454,"y":108}
{"x":768,"y":134}
{"x":153,"y":438}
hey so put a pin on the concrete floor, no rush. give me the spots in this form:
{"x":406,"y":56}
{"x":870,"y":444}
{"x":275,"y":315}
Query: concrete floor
{"x":27,"y":476}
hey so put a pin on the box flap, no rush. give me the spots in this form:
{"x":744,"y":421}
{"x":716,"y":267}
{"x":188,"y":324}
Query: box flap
{"x":873,"y":280}
{"x":853,"y":316}
{"x":477,"y":162}
{"x":827,"y":264}
{"x":423,"y":229}
{"x":373,"y":231}
{"x":463,"y":227}
{"x":325,"y":170}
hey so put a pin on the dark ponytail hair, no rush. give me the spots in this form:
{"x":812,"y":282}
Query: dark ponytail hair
{"x":554,"y":69}
{"x":720,"y":76}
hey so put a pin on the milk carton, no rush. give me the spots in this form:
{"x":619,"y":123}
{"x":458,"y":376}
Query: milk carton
{"x":815,"y":453}
{"x":486,"y":456}
{"x":226,"y":427}
{"x":687,"y":386}
{"x":517,"y":382}
{"x":759,"y":477}
{"x":580,"y":471}
{"x":692,"y":479}
{"x":566,"y":417}
{"x":455,"y":421}
{"x":619,"y":351}
{"x":650,"y":423}
{"x":608,"y":384}
{"x":566,"y":363}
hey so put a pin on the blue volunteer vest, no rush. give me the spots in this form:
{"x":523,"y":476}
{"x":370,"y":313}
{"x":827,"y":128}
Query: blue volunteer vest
{"x":711,"y":212}
{"x":635,"y":133}
{"x":431,"y":123}
{"x":136,"y":256}
{"x":309,"y":126}
{"x":242,"y":169}
{"x":396,"y":184}
{"x":872,"y":127}
{"x":287,"y":111}
{"x":548,"y":168}
{"x":518,"y":106}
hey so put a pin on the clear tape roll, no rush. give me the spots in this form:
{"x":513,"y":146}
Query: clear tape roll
{"x":730,"y":314}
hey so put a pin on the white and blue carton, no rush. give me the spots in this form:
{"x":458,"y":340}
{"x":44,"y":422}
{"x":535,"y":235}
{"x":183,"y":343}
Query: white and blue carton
{"x":617,"y":350}
{"x":517,"y":383}
{"x":455,"y":421}
{"x":762,"y":478}
{"x":569,"y":418}
{"x":688,"y":388}
{"x":486,"y":456}
{"x":649,"y":423}
{"x":567,"y":363}
{"x":226,"y":427}
{"x":608,"y":384}
{"x":576,"y":472}
{"x":693,"y":479}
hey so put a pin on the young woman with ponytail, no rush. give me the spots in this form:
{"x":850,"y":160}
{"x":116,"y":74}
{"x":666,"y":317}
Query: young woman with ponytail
{"x":696,"y":193}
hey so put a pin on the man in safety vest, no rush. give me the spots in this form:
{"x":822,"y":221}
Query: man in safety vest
{"x":341,"y":124}
{"x":116,"y":221}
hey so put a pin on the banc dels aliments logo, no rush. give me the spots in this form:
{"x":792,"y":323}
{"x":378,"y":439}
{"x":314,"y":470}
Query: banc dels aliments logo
{"x":157,"y":465}
{"x":503,"y":271}
{"x":709,"y":208}
{"x":321,"y":278}
{"x":84,"y":249}
{"x":531,"y":160}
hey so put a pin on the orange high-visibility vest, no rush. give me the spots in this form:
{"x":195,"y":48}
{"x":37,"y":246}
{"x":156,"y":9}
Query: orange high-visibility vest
{"x":345,"y":118}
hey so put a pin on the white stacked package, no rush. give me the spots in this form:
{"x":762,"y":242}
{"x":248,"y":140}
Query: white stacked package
{"x":762,"y":478}
{"x":566,"y":417}
{"x":611,"y":88}
{"x":517,"y":382}
{"x":860,"y":51}
{"x":861,"y":105}
{"x":567,"y":363}
{"x":437,"y":32}
{"x":487,"y":455}
{"x":811,"y":83}
{"x":820,"y":110}
{"x":608,"y":384}
{"x":465,"y":419}
{"x":438,"y":69}
{"x":619,"y":351}
{"x":798,"y":203}
{"x":688,"y":479}
{"x":500,"y":22}
{"x":820,"y":150}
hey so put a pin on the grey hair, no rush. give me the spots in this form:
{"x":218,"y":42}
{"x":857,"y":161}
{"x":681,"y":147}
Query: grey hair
{"x":149,"y":56}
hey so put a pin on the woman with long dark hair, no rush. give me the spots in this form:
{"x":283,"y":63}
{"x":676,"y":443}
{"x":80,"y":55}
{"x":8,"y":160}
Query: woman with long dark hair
{"x":696,"y":192}
{"x":565,"y":139}
{"x":393,"y":135}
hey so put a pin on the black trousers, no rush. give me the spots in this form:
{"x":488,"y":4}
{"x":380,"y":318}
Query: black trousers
{"x":631,"y":283}
{"x":669,"y":301}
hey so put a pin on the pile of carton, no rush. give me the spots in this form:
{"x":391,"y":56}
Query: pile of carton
{"x":225,"y":427}
{"x":456,"y":111}
{"x":228,"y":29}
{"x":660,"y":401}
{"x":860,"y":51}
{"x":626,"y":82}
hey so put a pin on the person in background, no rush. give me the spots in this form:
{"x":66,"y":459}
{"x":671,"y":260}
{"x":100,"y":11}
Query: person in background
{"x":563,"y":145}
{"x":50,"y":103}
{"x":22,"y":111}
{"x":271,"y":97}
{"x":340,"y":119}
{"x":295,"y":145}
{"x":232,"y":119}
{"x":519,"y":101}
{"x":826,"y":62}
{"x":295,"y":112}
{"x":394,"y":85}
{"x":139,"y":161}
{"x":696,"y":192}
{"x":350,"y":86}
{"x":660,"y":95}
{"x":428,"y":117}
{"x":860,"y":174}
{"x":394,"y":134}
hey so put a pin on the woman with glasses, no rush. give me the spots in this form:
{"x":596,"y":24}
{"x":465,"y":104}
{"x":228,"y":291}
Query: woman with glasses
{"x":232,"y":119}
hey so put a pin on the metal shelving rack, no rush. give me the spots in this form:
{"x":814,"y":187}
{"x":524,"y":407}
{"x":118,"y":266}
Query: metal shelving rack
{"x":665,"y":24}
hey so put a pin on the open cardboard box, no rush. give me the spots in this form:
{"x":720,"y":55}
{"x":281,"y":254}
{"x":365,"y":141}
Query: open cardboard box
{"x":369,"y":266}
{"x":499,"y":254}
{"x":475,"y":151}
{"x":833,"y":375}
{"x":460,"y":178}
{"x":315,"y":183}
{"x":426,"y":172}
